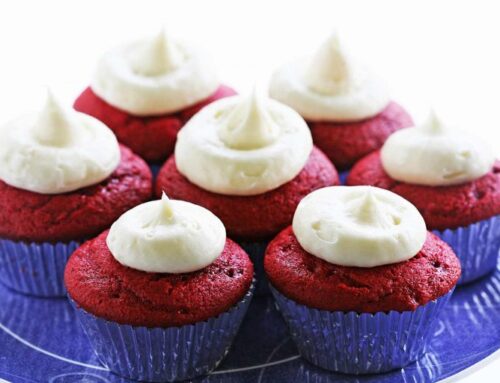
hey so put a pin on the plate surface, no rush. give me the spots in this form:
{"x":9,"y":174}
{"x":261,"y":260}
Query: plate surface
{"x":41,"y":341}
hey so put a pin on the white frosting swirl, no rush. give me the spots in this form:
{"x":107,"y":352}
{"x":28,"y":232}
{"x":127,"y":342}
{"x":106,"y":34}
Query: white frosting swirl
{"x":359,"y":226}
{"x":57,"y":151}
{"x":167,"y":236}
{"x":243,"y":146}
{"x":436,"y":155}
{"x":154,"y":76}
{"x":329,"y":86}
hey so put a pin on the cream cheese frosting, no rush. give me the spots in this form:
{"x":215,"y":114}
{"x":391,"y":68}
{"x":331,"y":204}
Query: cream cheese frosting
{"x":154,"y":76}
{"x":435,"y":154}
{"x":359,"y":226}
{"x":57,"y":150}
{"x":243,"y":145}
{"x":167,"y":236}
{"x":330,"y":86}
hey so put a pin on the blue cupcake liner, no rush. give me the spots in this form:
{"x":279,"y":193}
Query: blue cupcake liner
{"x":343,"y":176}
{"x":353,"y":343}
{"x":155,"y":169}
{"x":163,"y":354}
{"x":35,"y":268}
{"x":256,"y":252}
{"x":476,"y":246}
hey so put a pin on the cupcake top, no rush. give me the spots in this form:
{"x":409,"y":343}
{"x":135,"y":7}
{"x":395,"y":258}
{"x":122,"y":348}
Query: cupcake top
{"x":330,"y":85}
{"x":402,"y":286}
{"x":359,"y":226}
{"x":154,"y":76}
{"x":435,"y":154}
{"x":243,"y":145}
{"x":167,"y":236}
{"x":360,"y":249}
{"x":102,"y":286}
{"x":164,"y":263}
{"x":57,"y":150}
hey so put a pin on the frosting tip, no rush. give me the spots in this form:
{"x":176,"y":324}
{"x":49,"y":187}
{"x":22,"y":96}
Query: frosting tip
{"x":434,"y":123}
{"x":249,"y":125}
{"x":167,"y":206}
{"x":160,"y":56}
{"x":55,"y":124}
{"x":368,"y":210}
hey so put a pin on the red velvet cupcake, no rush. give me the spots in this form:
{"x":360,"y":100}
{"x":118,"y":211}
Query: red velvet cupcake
{"x":64,"y":179}
{"x":165,"y":271}
{"x":347,"y":108}
{"x":453,"y":179}
{"x":249,"y":160}
{"x":146,"y":91}
{"x":359,"y":264}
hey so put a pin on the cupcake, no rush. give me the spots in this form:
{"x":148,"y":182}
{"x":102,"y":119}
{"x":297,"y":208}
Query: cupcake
{"x":63,"y":179}
{"x":359,"y":280}
{"x":347,"y":108}
{"x":162,"y":294}
{"x":249,"y":160}
{"x":453,"y":179}
{"x":145,"y":91}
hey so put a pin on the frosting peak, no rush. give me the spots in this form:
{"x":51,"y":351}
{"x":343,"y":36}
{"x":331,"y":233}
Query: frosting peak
{"x":433,"y":124}
{"x":435,"y":154}
{"x":57,"y":150}
{"x":368,"y":210}
{"x":168,"y":209}
{"x":359,"y":226}
{"x":243,"y":146}
{"x":158,"y":56}
{"x":167,"y":236}
{"x":55,"y":126}
{"x":164,"y":215}
{"x":329,"y":70}
{"x":249,"y":125}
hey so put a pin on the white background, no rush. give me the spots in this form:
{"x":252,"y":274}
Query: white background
{"x":440,"y":53}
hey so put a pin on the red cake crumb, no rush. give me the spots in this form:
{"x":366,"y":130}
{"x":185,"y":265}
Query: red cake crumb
{"x":152,"y":138}
{"x":257,"y":217}
{"x":443,"y":207}
{"x":403,"y":286}
{"x":76,"y":215}
{"x":102,"y":286}
{"x":345,"y":143}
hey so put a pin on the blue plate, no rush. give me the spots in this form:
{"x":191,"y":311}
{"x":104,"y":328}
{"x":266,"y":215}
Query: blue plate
{"x":41,"y":341}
